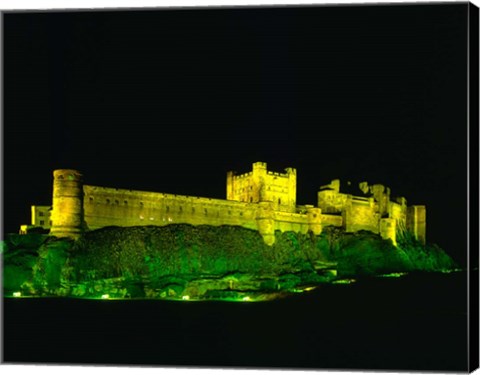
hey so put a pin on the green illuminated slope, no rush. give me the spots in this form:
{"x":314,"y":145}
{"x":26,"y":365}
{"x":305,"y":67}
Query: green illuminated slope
{"x":196,"y":262}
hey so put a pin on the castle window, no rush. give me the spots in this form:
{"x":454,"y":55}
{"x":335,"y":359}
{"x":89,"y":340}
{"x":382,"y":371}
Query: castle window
{"x":193,"y":210}
{"x":279,"y":201}
{"x":50,"y":222}
{"x":90,"y":199}
{"x":41,"y":213}
{"x":108,"y":200}
{"x":205,"y":211}
{"x":42,"y":222}
{"x":168,"y":208}
{"x":251,"y":199}
{"x":116,"y":201}
{"x":141,"y":204}
{"x":180,"y":209}
{"x":241,"y":213}
{"x":125,"y":202}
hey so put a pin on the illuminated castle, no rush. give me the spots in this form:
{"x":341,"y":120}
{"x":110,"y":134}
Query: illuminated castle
{"x":260,"y":199}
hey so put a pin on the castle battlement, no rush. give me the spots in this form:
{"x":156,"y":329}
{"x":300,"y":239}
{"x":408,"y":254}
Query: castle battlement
{"x":261,"y":200}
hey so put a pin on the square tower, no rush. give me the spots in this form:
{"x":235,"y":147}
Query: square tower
{"x":261,"y":185}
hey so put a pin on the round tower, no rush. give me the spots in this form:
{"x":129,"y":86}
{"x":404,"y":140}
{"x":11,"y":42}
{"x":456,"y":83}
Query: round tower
{"x":67,"y":211}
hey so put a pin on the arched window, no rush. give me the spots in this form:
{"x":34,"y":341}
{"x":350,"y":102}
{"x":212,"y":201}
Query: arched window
{"x":279,"y":201}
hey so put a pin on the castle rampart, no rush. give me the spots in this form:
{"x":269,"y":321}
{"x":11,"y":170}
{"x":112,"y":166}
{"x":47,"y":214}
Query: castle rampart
{"x":107,"y":206}
{"x":261,"y":200}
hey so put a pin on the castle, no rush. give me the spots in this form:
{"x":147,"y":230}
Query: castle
{"x":261,"y":200}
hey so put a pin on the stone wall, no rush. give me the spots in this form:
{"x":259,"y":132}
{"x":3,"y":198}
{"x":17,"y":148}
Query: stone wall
{"x":417,"y":222}
{"x":331,"y":201}
{"x":120,"y":207}
{"x":286,"y":221}
{"x":388,"y":229}
{"x":333,"y":220}
{"x":361,"y":215}
{"x":398,"y":212}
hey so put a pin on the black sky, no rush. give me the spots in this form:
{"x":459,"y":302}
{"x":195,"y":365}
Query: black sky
{"x":170,"y":100}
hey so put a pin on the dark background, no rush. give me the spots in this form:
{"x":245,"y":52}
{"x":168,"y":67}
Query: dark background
{"x":415,"y":323}
{"x":170,"y":100}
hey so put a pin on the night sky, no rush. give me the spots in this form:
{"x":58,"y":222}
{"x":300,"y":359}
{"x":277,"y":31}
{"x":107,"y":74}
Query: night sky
{"x":170,"y":100}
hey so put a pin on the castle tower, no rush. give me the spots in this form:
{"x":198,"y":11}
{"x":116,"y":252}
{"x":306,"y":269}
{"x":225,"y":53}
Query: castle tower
{"x":67,"y":212}
{"x":262,"y":185}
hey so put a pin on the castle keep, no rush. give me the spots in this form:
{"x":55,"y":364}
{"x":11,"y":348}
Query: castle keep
{"x":260,"y":200}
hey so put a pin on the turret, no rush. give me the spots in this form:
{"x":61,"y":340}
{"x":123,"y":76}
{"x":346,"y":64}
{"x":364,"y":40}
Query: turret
{"x":67,"y":211}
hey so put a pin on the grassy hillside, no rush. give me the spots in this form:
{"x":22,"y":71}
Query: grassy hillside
{"x":180,"y":261}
